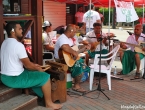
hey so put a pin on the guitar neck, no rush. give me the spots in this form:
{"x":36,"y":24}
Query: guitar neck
{"x":131,"y":44}
{"x":79,"y":50}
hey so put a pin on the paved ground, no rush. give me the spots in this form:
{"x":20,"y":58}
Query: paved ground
{"x":120,"y":34}
{"x":125,"y":93}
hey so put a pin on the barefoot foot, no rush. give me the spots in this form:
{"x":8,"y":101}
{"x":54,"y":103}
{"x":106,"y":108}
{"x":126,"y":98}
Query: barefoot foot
{"x":54,"y":106}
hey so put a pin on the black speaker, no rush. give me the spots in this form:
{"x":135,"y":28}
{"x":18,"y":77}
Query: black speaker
{"x":97,"y":74}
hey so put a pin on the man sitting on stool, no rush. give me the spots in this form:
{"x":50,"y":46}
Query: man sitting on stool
{"x":65,"y":43}
{"x":13,"y":60}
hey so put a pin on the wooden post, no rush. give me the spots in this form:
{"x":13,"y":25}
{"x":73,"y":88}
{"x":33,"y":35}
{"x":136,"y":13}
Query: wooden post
{"x":36,"y":6}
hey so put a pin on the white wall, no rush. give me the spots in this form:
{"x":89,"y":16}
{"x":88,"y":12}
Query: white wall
{"x":54,"y":12}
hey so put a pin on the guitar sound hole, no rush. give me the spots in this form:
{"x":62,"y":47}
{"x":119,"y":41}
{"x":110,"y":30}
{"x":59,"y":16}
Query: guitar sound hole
{"x":74,"y":58}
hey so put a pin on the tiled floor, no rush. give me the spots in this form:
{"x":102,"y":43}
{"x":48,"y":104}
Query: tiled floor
{"x":125,"y":93}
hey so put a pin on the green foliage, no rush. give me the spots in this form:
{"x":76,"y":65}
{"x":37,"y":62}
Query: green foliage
{"x":106,"y":14}
{"x":139,"y":11}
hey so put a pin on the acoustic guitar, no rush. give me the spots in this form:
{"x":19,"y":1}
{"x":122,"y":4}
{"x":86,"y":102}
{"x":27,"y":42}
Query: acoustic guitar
{"x":138,"y":48}
{"x":68,"y":58}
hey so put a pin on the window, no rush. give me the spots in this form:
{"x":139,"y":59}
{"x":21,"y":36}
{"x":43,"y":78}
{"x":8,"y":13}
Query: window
{"x":11,"y":6}
{"x":67,"y":9}
{"x":6,"y":6}
{"x":70,"y":8}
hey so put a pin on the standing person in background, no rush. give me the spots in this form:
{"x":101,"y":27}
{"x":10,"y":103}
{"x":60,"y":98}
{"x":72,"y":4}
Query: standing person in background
{"x":79,"y":15}
{"x":90,"y":17}
{"x":101,"y":15}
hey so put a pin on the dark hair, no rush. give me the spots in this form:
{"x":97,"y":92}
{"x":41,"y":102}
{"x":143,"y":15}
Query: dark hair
{"x":59,"y":29}
{"x":80,"y":7}
{"x":97,"y":24}
{"x":11,"y":25}
{"x":97,"y":8}
{"x":80,"y":24}
{"x":92,"y":6}
{"x":44,"y":28}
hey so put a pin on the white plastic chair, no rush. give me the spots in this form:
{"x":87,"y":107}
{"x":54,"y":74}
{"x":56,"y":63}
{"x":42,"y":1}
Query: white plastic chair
{"x":51,"y":59}
{"x":104,"y":69}
{"x":91,"y":60}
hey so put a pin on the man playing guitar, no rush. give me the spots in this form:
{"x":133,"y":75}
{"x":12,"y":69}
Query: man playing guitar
{"x":64,"y":44}
{"x":131,"y":58}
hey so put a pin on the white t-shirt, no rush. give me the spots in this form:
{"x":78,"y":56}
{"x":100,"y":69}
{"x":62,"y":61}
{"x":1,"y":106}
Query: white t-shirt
{"x":11,"y":53}
{"x":79,"y":16}
{"x":93,"y":16}
{"x":75,"y":41}
{"x":92,"y":38}
{"x":63,"y":39}
{"x":131,"y":39}
{"x":46,"y":39}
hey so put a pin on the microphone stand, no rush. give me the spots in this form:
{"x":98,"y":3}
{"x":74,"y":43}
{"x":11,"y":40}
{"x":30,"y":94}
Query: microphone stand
{"x":99,"y":84}
{"x":109,"y":42}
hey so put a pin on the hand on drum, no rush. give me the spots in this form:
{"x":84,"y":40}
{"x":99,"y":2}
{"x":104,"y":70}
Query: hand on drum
{"x":45,"y":67}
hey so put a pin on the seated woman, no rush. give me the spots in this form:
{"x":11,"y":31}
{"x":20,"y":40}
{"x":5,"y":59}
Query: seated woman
{"x":46,"y":39}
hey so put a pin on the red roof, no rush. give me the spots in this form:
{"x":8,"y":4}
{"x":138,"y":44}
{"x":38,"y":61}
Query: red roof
{"x":102,"y":3}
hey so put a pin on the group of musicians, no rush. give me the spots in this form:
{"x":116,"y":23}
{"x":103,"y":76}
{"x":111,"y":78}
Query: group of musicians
{"x":18,"y":72}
